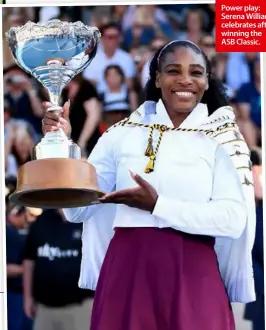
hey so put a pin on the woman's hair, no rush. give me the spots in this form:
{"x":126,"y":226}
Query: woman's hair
{"x":118,"y":69}
{"x":215,"y":97}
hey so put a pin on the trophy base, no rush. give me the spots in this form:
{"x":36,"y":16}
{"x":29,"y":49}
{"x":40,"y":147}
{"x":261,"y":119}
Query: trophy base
{"x":56,"y":183}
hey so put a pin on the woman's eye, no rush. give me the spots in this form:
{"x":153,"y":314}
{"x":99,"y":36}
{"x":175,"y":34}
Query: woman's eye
{"x":197,"y":73}
{"x":173,"y":71}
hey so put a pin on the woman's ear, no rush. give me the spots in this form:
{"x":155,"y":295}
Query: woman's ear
{"x":157,"y":80}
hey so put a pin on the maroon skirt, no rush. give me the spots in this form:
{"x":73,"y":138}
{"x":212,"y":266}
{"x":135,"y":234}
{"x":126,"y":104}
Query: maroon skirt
{"x":160,"y":279}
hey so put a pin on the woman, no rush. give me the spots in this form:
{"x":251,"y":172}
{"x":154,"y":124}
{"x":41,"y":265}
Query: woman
{"x":117,"y":101}
{"x":194,"y":26}
{"x":85,"y":112}
{"x":248,"y":99}
{"x":183,"y":209}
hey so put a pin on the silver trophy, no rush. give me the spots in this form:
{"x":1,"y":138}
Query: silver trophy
{"x":54,"y":52}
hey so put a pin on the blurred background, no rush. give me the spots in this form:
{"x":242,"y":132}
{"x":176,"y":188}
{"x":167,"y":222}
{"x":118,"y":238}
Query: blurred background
{"x":43,"y":259}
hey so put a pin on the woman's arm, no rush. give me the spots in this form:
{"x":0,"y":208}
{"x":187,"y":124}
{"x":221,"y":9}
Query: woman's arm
{"x":225,"y":215}
{"x":93,"y":111}
{"x":102,"y":158}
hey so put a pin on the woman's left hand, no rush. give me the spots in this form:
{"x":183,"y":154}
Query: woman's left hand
{"x":143,"y":197}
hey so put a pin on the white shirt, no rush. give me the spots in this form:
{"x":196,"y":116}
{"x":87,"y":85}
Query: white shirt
{"x":197,"y":183}
{"x":95,"y":71}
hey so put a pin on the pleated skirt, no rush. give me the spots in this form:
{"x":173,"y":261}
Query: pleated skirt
{"x":160,"y":279}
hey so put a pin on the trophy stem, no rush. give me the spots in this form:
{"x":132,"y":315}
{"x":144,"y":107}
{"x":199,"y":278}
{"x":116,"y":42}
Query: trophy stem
{"x":56,"y":145}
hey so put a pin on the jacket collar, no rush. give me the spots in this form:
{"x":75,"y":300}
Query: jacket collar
{"x":155,"y":113}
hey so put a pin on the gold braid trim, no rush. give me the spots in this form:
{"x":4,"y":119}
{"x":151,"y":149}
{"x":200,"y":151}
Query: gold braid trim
{"x":151,"y":153}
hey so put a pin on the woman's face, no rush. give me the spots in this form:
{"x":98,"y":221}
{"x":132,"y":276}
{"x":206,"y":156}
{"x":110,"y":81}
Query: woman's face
{"x":113,"y":78}
{"x":193,"y":21}
{"x":182,"y":80}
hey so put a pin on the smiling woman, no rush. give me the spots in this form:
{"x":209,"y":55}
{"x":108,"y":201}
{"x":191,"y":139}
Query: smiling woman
{"x":151,"y":247}
{"x":168,"y":76}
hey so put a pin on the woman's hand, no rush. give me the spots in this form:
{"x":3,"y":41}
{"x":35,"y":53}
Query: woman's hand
{"x":52,"y":121}
{"x":143,"y":197}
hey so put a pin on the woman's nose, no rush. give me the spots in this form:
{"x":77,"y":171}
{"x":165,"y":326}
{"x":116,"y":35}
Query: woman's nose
{"x":184,"y":80}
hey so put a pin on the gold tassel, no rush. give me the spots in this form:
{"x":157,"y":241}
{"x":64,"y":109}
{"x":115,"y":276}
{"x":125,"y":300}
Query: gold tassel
{"x":150,"y":166}
{"x":149,"y":151}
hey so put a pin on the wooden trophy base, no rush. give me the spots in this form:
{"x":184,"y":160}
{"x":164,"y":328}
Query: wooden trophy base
{"x":56,"y":183}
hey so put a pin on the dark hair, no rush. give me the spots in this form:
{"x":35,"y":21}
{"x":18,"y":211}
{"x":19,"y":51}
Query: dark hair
{"x":110,"y":25}
{"x":118,"y":69}
{"x":215,"y":97}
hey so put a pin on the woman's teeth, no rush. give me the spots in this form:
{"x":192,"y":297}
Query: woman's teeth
{"x":184,"y":94}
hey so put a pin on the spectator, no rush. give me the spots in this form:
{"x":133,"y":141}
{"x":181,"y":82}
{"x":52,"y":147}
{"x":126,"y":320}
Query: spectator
{"x":248,"y":100}
{"x":116,"y":96}
{"x":243,"y":64}
{"x":23,"y":99}
{"x":10,"y":161}
{"x":22,"y":146}
{"x":110,"y":53}
{"x":85,"y":112}
{"x":117,"y":100}
{"x":207,"y":44}
{"x":255,"y":311}
{"x":51,"y":271}
{"x":194,"y":26}
{"x":15,"y":240}
{"x":118,"y":13}
{"x":219,"y":61}
{"x":154,"y":12}
{"x":155,"y":45}
{"x":145,"y":27}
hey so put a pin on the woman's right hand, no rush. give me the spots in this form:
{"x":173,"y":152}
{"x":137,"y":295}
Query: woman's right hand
{"x":53,"y":121}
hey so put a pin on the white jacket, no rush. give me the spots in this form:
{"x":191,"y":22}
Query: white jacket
{"x":235,"y":225}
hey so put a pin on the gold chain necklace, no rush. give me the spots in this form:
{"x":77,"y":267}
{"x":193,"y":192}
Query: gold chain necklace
{"x":152,"y":153}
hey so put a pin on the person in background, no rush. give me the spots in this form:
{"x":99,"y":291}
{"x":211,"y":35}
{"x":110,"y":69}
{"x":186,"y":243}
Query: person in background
{"x":243,"y":64}
{"x":22,"y":145}
{"x":207,"y":44}
{"x":155,"y":14}
{"x":110,"y":53}
{"x":23,"y":98}
{"x":194,"y":26}
{"x":219,"y":62}
{"x":248,"y":102}
{"x":154,"y":46}
{"x":85,"y":112}
{"x":255,"y":311}
{"x":118,"y":12}
{"x":51,"y":271}
{"x":145,"y":27}
{"x":16,"y":223}
{"x":117,"y":101}
{"x":116,"y":95}
{"x":9,"y":134}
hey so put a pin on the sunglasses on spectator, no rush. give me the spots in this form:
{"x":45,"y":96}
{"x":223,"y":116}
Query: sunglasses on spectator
{"x":111,"y":36}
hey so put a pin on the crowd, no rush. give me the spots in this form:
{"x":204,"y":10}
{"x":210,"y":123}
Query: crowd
{"x":108,"y":90}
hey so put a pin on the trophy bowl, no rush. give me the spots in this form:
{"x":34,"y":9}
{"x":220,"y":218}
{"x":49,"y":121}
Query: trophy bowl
{"x":54,"y":52}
